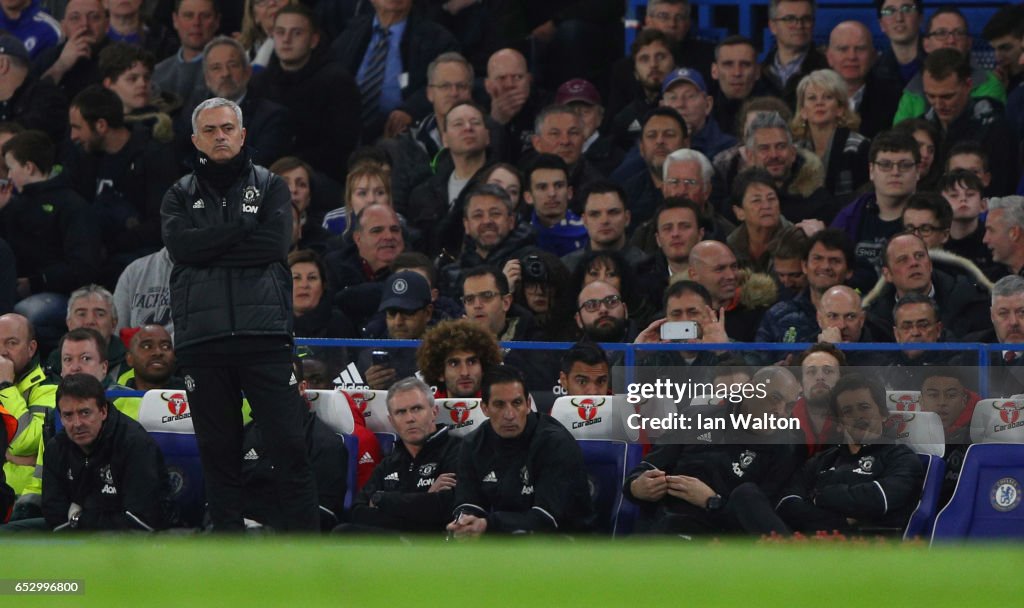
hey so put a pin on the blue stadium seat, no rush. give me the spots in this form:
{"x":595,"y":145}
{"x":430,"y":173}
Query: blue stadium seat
{"x":987,"y":500}
{"x":625,"y":519}
{"x":352,"y":444}
{"x":166,"y":417}
{"x":387,"y":443}
{"x":605,"y":461}
{"x":923,"y":517}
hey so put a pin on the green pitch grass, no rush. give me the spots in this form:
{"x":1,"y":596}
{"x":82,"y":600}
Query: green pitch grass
{"x":276,"y":571}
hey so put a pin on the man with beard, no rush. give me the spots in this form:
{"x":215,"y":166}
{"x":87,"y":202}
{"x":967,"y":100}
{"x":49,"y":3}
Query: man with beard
{"x":488,"y":217}
{"x":866,"y":482}
{"x":601,"y":314}
{"x":820,"y":369}
{"x":652,"y":61}
{"x":453,"y":357}
{"x":122,"y":172}
{"x":151,"y":359}
{"x":662,"y":133}
{"x":674,"y":18}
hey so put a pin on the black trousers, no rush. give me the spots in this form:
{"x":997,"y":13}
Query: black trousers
{"x":215,"y":398}
{"x":746,"y":509}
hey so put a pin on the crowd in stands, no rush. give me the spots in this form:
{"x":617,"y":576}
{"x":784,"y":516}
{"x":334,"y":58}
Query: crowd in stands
{"x":470,"y":172}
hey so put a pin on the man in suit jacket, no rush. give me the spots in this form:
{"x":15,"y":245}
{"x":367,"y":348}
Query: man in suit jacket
{"x":413,"y":43}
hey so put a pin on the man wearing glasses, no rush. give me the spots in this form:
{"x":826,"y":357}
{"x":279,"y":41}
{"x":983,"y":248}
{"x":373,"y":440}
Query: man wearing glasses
{"x":900,"y":21}
{"x":947,"y":29}
{"x":916,"y":320}
{"x":794,"y":56}
{"x":872,"y":218}
{"x":601,"y":314}
{"x":488,"y":302}
{"x":673,"y":17}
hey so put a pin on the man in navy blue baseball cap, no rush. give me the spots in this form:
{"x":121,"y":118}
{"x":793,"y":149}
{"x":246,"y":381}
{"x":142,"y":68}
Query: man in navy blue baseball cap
{"x":684,"y":91}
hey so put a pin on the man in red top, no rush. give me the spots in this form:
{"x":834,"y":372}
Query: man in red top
{"x":820,"y":368}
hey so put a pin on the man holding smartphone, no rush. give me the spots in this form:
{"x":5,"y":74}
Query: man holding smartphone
{"x":407,"y":306}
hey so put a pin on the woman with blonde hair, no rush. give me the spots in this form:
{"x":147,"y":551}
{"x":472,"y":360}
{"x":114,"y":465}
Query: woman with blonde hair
{"x":367,"y":183}
{"x":825,"y":125}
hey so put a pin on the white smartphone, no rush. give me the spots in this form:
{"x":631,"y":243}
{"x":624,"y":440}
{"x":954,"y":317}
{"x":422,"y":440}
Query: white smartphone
{"x":680,"y":330}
